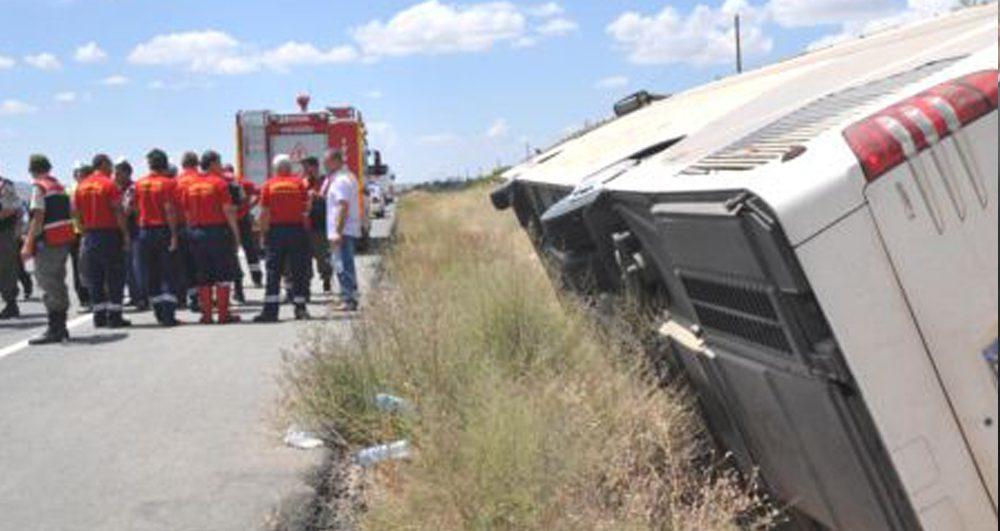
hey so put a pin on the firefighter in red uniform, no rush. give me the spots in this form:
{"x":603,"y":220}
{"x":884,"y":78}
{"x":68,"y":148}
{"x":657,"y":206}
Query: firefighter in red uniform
{"x":50,"y":236}
{"x":155,"y":199}
{"x":246,"y":197}
{"x":284,"y":207}
{"x":98,"y":202}
{"x":184,"y":264}
{"x":214,"y":234}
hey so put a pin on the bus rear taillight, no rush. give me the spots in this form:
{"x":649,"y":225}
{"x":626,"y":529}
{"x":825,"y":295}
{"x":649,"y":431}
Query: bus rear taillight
{"x":887,"y":138}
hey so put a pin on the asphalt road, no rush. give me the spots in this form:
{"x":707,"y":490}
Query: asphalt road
{"x":149,"y":429}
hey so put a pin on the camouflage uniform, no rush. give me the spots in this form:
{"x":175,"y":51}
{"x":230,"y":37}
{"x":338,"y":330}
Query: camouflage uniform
{"x":9,"y":249}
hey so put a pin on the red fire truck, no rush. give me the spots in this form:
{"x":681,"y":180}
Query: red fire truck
{"x":260,"y":135}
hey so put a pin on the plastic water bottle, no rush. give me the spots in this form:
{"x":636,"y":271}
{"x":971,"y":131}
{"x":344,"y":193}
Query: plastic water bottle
{"x":383,"y":452}
{"x":392,"y":404}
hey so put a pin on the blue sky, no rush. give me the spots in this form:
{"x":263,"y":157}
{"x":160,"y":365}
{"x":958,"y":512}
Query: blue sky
{"x":447,"y":87}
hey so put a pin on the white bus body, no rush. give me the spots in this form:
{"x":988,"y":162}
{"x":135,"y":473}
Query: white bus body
{"x":823,"y":247}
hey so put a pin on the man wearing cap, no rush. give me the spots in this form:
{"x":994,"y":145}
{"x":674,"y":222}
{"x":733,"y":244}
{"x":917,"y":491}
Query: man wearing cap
{"x":211,"y":220}
{"x":157,"y":220}
{"x":319,"y":245}
{"x":98,"y":203}
{"x":50,"y":234}
{"x":10,"y":216}
{"x":283,"y":210}
{"x":343,"y":221}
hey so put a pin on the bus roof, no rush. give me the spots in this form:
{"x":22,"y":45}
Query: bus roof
{"x":715,"y":115}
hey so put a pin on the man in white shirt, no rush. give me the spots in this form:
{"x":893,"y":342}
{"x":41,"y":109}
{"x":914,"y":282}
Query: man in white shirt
{"x":343,"y":225}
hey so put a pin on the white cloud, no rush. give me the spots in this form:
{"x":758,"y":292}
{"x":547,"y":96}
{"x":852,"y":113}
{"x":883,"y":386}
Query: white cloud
{"x":557,"y":27}
{"x":374,"y":94}
{"x":703,"y":36}
{"x":427,"y":28}
{"x":12,"y":107}
{"x":209,"y":51}
{"x":296,"y":54}
{"x":90,"y":53}
{"x":65,"y":97}
{"x":497,"y":129}
{"x":433,"y":28}
{"x":546,"y":10}
{"x":115,"y":81}
{"x":6,"y":62}
{"x":612,"y":82}
{"x":43,"y":61}
{"x":915,"y":10}
{"x":217,"y":52}
{"x":793,"y":13}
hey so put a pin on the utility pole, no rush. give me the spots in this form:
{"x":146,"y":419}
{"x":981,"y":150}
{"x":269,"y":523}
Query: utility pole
{"x":739,"y":52}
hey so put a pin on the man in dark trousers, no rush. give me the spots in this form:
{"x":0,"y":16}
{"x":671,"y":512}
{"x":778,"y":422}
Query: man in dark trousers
{"x":98,"y":203}
{"x":80,"y":172}
{"x":155,"y":203}
{"x":50,"y":235}
{"x":244,"y":195}
{"x":214,"y":234}
{"x":318,"y":242}
{"x":283,"y":210}
{"x":183,"y":259}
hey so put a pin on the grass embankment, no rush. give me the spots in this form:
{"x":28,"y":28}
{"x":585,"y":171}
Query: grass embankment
{"x":526,"y":416}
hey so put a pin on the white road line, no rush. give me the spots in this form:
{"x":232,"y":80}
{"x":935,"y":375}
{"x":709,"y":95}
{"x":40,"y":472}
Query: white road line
{"x":21,"y":345}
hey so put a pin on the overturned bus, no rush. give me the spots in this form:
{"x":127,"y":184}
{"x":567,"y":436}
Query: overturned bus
{"x":818,"y":239}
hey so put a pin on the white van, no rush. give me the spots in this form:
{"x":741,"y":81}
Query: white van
{"x":824,"y":256}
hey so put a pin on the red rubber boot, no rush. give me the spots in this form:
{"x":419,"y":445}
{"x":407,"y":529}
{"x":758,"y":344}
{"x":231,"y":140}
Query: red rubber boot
{"x":222,"y":298}
{"x":205,"y":304}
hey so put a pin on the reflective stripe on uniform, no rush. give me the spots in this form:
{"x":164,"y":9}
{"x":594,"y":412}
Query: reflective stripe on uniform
{"x":56,"y":224}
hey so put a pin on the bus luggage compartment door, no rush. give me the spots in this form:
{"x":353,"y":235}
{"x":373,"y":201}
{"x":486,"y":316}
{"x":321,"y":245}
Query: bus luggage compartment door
{"x":770,"y":357}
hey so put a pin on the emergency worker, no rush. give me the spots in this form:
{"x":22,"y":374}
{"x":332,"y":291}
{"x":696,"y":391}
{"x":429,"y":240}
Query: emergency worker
{"x":50,"y":235}
{"x":184,"y":263}
{"x":155,"y":200}
{"x":80,"y":172}
{"x":214,"y":234}
{"x":245,"y":196}
{"x":98,"y":204}
{"x":283,"y":219}
{"x":10,"y":217}
{"x":318,"y":243}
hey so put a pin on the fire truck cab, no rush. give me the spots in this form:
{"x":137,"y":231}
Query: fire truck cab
{"x":260,"y":135}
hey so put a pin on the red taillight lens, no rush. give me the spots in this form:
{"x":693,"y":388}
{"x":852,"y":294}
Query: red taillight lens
{"x":875,"y":148}
{"x":985,"y":82}
{"x":887,"y":138}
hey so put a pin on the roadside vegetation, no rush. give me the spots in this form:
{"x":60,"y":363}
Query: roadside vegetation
{"x":524,"y":414}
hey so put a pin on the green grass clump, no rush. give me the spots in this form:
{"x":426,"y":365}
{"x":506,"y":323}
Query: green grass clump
{"x":527,"y":416}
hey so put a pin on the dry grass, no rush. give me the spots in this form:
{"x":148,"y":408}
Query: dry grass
{"x":527,"y":417}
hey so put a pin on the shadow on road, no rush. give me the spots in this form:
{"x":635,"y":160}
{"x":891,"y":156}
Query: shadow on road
{"x":98,"y":339}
